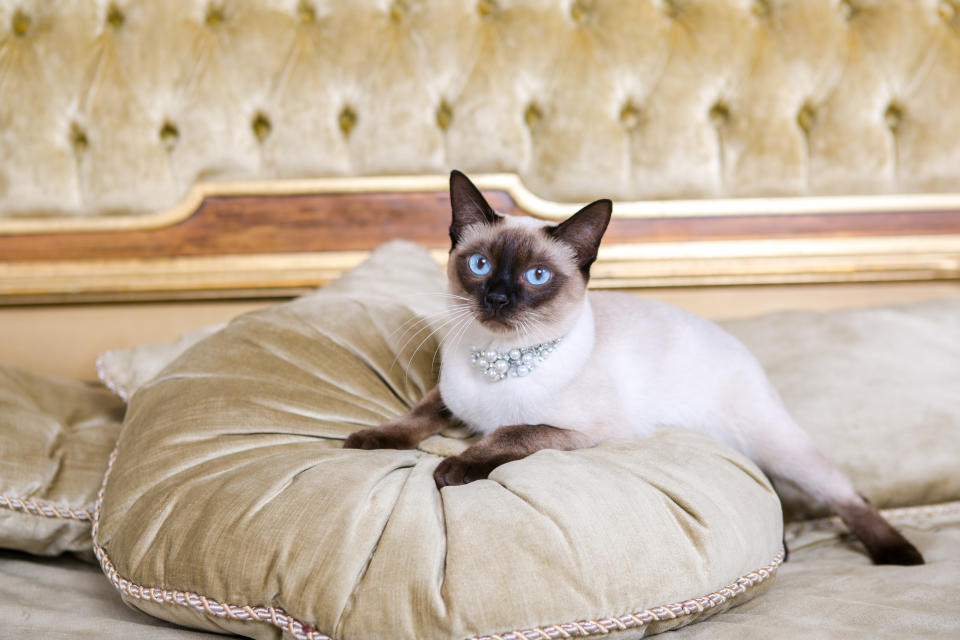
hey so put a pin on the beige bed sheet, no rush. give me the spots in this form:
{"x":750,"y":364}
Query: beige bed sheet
{"x":828,"y":589}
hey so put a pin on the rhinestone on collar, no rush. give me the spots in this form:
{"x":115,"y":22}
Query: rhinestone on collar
{"x":516,"y":363}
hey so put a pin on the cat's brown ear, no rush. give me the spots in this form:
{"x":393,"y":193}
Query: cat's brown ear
{"x":469,"y":206}
{"x":583,"y":231}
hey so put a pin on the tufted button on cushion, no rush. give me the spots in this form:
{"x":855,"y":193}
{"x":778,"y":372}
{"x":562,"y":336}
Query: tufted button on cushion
{"x":261,"y":126}
{"x":347,"y":120}
{"x":115,"y":17}
{"x":20,"y":23}
{"x":169,"y":135}
{"x":893,"y":116}
{"x":214,"y":15}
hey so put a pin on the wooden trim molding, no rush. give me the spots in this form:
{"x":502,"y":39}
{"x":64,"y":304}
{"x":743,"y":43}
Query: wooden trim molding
{"x":281,"y":237}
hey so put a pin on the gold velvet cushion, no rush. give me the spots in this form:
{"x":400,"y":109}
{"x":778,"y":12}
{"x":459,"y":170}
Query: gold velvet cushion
{"x":878,"y":391}
{"x":230,"y":504}
{"x":55,"y":438}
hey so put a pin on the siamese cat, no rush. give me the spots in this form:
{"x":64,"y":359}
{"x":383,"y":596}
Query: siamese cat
{"x":547,"y":364}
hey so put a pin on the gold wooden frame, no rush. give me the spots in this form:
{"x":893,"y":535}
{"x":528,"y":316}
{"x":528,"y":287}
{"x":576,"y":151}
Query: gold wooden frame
{"x":698,"y":262}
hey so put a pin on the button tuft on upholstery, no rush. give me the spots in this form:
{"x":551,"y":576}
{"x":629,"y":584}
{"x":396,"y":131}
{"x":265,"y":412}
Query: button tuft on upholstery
{"x":444,"y":115}
{"x":487,"y":8}
{"x":398,"y":11}
{"x":214,"y":15}
{"x":78,"y":138}
{"x":760,"y":8}
{"x":670,"y":8}
{"x":848,"y":9}
{"x":806,"y":117}
{"x":532,"y":115}
{"x":893,"y":116}
{"x":580,"y":10}
{"x":719,"y":114}
{"x":946,"y":11}
{"x":261,"y":126}
{"x":169,"y":134}
{"x":115,"y":17}
{"x":306,"y":12}
{"x":630,"y":116}
{"x":347,"y":120}
{"x":20,"y":23}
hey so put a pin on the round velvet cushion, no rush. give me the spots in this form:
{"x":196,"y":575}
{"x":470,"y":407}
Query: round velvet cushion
{"x":231,"y":505}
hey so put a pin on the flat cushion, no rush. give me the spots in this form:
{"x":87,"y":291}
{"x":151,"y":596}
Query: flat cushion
{"x":230,"y":504}
{"x":55,"y":439}
{"x":877,"y":389}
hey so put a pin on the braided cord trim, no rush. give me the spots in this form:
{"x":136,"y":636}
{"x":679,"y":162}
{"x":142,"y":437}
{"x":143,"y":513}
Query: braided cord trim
{"x":244,"y":613}
{"x":603,"y":626}
{"x":921,"y":515}
{"x":46,"y":509}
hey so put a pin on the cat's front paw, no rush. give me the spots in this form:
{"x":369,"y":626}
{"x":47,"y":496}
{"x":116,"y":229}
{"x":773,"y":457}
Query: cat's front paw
{"x":457,"y":470}
{"x":379,"y":438}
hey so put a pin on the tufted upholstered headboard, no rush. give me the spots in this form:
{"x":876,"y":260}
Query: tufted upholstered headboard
{"x":722,"y":127}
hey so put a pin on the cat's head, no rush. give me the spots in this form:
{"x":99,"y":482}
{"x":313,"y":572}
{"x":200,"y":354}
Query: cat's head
{"x":521,"y":275}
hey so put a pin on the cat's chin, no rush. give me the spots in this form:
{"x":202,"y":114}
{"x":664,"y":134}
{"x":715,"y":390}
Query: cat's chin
{"x":499,"y":326}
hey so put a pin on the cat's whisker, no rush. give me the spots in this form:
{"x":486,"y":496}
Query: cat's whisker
{"x":426,"y":320}
{"x":444,"y":294}
{"x":456,"y":318}
{"x":428,"y":325}
{"x":457,"y":330}
{"x":463,"y":331}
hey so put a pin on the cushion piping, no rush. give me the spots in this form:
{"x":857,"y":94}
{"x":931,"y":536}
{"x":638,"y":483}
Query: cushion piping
{"x":281,"y":619}
{"x":40,"y":508}
{"x":604,"y":626}
{"x":918,"y":515}
{"x":107,"y":381}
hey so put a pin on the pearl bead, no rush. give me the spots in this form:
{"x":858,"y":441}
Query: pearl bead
{"x":482,"y":364}
{"x":522,"y":371}
{"x":528,"y":357}
{"x":501,"y":365}
{"x":515,"y":354}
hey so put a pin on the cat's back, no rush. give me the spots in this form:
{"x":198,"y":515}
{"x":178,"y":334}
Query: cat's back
{"x":661,"y":333}
{"x":623,"y":315}
{"x":671,"y":366}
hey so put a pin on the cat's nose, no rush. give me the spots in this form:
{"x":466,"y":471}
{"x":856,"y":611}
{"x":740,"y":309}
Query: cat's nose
{"x":495,"y":300}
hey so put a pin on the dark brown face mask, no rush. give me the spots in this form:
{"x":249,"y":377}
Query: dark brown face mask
{"x":511,"y":273}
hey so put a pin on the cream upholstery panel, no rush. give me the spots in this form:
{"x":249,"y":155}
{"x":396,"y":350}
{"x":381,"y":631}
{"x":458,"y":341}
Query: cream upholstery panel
{"x":118,"y":107}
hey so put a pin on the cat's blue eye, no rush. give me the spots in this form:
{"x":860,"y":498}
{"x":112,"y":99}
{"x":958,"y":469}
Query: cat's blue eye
{"x":479,"y":265}
{"x":537,"y":275}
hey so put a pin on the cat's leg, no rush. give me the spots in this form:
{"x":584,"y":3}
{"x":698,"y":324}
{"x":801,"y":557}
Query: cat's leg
{"x":505,"y":445}
{"x":427,"y":417}
{"x":793,"y":457}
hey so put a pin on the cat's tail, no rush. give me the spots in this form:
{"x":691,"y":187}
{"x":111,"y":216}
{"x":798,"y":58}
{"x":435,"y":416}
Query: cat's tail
{"x":795,"y":458}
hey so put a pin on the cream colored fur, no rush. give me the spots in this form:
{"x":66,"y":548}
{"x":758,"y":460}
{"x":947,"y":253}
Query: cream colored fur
{"x":628,"y":365}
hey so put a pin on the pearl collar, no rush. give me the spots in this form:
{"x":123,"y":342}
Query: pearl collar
{"x":516,"y":363}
